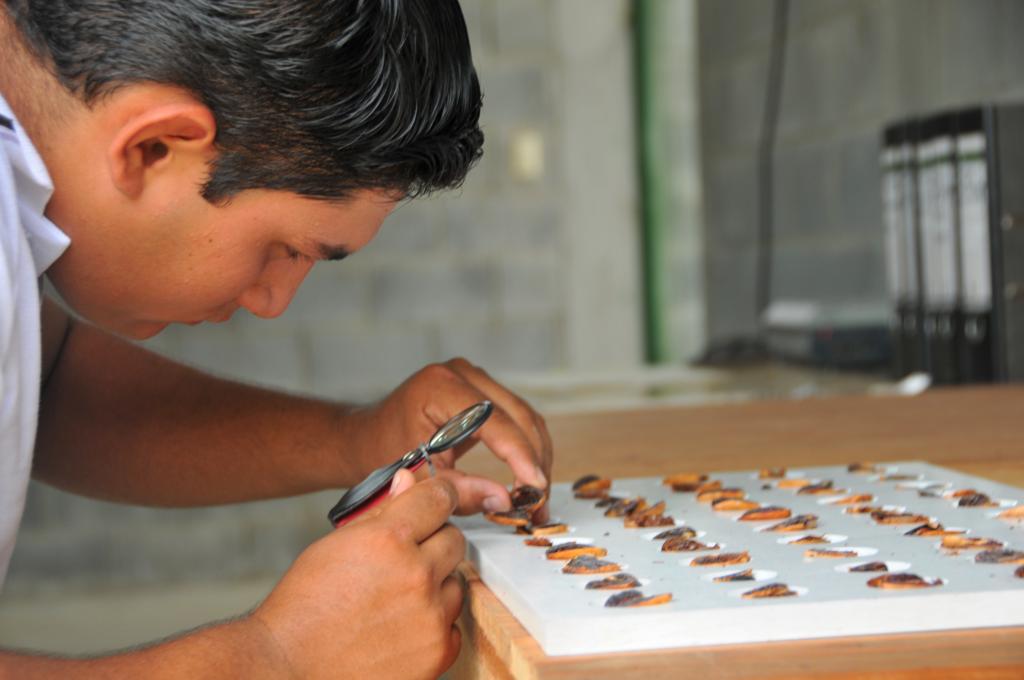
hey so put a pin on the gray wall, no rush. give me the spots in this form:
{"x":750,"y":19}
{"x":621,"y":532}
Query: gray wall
{"x":851,"y":66}
{"x":529,"y":268}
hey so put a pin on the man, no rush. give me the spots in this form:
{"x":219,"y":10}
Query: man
{"x":173,"y":161}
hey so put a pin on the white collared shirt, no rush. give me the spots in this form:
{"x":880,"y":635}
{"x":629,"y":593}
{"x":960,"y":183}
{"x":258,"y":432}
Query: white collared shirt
{"x":29,"y":244}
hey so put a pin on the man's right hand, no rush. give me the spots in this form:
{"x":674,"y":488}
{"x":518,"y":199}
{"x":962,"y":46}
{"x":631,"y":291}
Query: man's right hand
{"x":377,"y":598}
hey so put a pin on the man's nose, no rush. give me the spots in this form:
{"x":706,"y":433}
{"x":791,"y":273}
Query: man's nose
{"x":273,"y":292}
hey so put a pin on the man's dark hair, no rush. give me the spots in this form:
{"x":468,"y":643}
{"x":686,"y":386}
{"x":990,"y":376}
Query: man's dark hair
{"x":318,"y":97}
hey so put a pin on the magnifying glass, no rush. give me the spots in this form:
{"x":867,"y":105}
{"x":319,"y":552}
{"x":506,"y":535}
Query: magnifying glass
{"x":375,"y":487}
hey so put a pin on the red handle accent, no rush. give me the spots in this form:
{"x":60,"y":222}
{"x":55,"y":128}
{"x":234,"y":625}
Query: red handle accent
{"x":375,"y":499}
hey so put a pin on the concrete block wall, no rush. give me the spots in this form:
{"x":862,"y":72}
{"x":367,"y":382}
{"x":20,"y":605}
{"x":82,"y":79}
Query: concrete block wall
{"x":851,"y":66}
{"x":519,"y":273}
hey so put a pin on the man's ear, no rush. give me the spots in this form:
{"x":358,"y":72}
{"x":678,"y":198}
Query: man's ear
{"x":168,"y":135}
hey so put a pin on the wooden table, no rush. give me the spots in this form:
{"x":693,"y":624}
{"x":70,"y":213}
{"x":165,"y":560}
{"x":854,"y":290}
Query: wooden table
{"x":979,"y":431}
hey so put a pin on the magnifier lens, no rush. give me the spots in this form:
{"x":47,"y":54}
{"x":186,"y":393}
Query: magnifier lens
{"x":458,"y":428}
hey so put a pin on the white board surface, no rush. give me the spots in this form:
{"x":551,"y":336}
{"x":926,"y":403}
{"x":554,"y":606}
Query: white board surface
{"x":567,"y":619}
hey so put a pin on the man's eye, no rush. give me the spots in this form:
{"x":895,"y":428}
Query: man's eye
{"x":294,"y":254}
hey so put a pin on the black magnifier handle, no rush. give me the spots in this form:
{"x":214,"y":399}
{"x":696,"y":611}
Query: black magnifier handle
{"x":374,"y":488}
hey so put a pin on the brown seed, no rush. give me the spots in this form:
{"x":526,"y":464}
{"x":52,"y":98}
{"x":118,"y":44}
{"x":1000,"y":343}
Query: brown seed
{"x":815,"y":553}
{"x":977,"y":500}
{"x":646,"y":521}
{"x":685,"y":532}
{"x":970,"y":543}
{"x":771,"y":473}
{"x":589,"y":480}
{"x":862,"y":509}
{"x":588,"y":564}
{"x":960,"y":493}
{"x":794,"y":483}
{"x":614,"y":582}
{"x":898,"y":477}
{"x":855,"y":498}
{"x":733,"y":504}
{"x":745,"y":575}
{"x":770,"y":590}
{"x":891,"y":517}
{"x":824,"y":486}
{"x":684,"y":478}
{"x":540,"y":542}
{"x":625,"y":507}
{"x":1000,"y":556}
{"x":809,"y":539}
{"x":656,"y":509}
{"x":528,"y":498}
{"x":516,"y":518}
{"x":901,"y":581}
{"x":1014,"y":513}
{"x":721,"y":559}
{"x":1019,"y":572}
{"x":709,"y":485}
{"x":550,"y":529}
{"x":591,"y":486}
{"x":607,"y":501}
{"x":870,"y":566}
{"x":680,"y":544}
{"x":862,"y":467}
{"x":933,"y":529}
{"x":715,"y":494}
{"x":765,"y":513}
{"x":798,"y":523}
{"x":634,"y":598}
{"x":567,"y":551}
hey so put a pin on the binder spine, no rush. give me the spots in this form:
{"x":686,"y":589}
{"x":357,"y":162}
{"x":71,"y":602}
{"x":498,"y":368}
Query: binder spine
{"x":976,"y":348}
{"x":939,"y":247}
{"x":902,"y":248}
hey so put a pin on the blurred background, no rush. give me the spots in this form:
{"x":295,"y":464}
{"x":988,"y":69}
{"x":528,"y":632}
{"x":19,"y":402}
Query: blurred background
{"x":680,"y":201}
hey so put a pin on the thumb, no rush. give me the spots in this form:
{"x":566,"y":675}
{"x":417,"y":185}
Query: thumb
{"x":401,"y":482}
{"x":476,"y":493}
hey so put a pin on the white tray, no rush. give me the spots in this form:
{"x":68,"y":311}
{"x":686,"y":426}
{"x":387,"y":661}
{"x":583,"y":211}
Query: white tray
{"x":566,"y":619}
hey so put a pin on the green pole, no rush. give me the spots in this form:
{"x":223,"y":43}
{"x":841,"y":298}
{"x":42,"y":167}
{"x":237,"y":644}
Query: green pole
{"x":653,"y":170}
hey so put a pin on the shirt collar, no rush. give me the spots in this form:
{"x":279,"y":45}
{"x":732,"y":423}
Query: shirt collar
{"x":34,"y":189}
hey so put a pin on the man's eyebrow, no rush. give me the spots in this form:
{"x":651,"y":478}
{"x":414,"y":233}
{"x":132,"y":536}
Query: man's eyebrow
{"x":333,"y":253}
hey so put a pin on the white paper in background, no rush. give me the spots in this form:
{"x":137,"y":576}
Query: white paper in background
{"x":892,"y":212}
{"x":908,"y":199}
{"x":976,"y":266}
{"x":899,"y":254}
{"x":938,"y":223}
{"x":566,"y":618}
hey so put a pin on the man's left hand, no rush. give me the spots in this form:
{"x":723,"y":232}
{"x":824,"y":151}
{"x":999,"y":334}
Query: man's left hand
{"x":412,"y":413}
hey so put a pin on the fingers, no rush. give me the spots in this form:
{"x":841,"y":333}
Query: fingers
{"x":477,"y":493}
{"x":451,"y":598}
{"x":401,"y":482}
{"x":517,"y":415}
{"x":502,"y":435}
{"x":421,"y":509}
{"x":452,"y":595}
{"x":508,"y":442}
{"x":443,"y":551}
{"x":454,"y":645}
